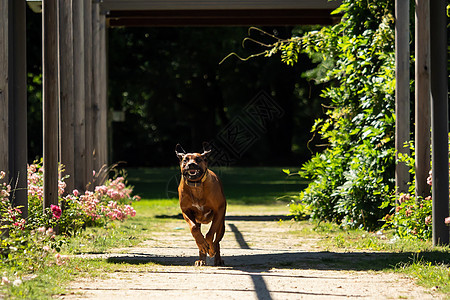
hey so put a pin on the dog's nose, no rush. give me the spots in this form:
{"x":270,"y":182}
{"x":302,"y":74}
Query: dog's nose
{"x":191,"y":164}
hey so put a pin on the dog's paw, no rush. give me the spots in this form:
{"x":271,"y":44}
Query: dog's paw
{"x":200,"y":262}
{"x":219,"y":262}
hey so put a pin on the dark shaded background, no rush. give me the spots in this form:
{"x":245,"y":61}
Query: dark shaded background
{"x":171,"y":89}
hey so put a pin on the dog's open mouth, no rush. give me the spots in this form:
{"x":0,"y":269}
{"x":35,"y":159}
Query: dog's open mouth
{"x":193,"y":173}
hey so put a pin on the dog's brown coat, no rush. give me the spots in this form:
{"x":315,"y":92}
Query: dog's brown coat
{"x":201,"y":202}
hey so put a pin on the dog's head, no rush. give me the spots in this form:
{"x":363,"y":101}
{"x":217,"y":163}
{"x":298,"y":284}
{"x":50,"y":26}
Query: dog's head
{"x":193,"y":165}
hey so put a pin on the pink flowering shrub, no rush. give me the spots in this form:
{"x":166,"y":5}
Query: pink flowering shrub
{"x":21,"y":245}
{"x":108,"y":202}
{"x":411,"y":217}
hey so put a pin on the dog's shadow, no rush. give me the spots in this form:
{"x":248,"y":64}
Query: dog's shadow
{"x":246,"y":257}
{"x":320,"y":260}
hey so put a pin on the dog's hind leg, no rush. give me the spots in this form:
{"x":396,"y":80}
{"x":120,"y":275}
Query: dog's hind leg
{"x":218,"y":261}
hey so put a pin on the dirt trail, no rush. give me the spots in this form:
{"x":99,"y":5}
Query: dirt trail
{"x":262,"y":262}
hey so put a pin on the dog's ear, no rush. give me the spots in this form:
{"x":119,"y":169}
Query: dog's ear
{"x":206,"y":148}
{"x":179,"y":151}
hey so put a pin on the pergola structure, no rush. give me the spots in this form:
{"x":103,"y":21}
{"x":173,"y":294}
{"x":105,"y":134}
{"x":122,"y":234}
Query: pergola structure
{"x":75,"y":80}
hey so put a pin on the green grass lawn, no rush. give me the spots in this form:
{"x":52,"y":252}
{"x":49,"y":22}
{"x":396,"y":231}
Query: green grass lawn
{"x":248,"y":190}
{"x":256,"y":185}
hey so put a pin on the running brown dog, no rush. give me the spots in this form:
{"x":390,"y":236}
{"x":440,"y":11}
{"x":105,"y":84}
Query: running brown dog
{"x":202,"y":201}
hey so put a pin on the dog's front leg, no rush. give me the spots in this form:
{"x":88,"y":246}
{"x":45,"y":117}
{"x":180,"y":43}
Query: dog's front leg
{"x":195,"y":228}
{"x":217,"y":229}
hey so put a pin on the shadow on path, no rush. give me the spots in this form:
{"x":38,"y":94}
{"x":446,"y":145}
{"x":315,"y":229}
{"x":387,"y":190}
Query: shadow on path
{"x":256,"y":263}
{"x":261,"y":218}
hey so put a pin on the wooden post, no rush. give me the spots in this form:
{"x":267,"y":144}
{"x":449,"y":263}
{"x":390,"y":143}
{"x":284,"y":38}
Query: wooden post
{"x":439,"y":111}
{"x":402,"y":92}
{"x":66,"y":120}
{"x":50,"y":100}
{"x":99,"y":81}
{"x":18,"y":106}
{"x":4,"y":91}
{"x":422,"y":99}
{"x":88,"y":93}
{"x":13,"y":100}
{"x":80,"y":180}
{"x":103,"y":90}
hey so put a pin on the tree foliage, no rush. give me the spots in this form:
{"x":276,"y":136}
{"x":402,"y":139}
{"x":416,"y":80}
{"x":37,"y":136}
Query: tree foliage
{"x":352,"y":177}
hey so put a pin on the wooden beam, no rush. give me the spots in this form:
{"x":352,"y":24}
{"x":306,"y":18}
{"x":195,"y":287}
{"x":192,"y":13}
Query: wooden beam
{"x":4,"y":91}
{"x":88,"y":96}
{"x":13,"y":100}
{"x":222,"y":17}
{"x":422,"y":98}
{"x":18,"y":106}
{"x":50,"y":100}
{"x":402,"y":92}
{"x":80,"y":180}
{"x":110,"y":5}
{"x":439,"y":111}
{"x":66,"y":92}
{"x":104,"y":90}
{"x":100,"y":108}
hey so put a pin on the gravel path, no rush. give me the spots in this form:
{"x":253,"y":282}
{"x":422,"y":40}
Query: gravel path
{"x":262,"y":261}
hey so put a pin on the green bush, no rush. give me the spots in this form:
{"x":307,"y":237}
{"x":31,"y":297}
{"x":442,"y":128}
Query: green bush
{"x":353,"y":176}
{"x":411,"y":216}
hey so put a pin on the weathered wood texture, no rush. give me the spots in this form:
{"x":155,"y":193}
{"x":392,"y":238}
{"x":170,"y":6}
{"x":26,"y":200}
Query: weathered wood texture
{"x":103,"y":94}
{"x":217,"y":5}
{"x":100,"y":108}
{"x":422,"y":98}
{"x":80,"y":180}
{"x":439,"y":111}
{"x":88,"y":96}
{"x":402,"y":92}
{"x":4,"y":93}
{"x":13,"y":99}
{"x":66,"y":92}
{"x":50,"y":100}
{"x":222,"y":17}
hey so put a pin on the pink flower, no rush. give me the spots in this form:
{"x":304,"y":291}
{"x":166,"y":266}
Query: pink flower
{"x":403,"y":198}
{"x":408,"y":212}
{"x":60,"y":259}
{"x":2,"y":174}
{"x":430,"y":178}
{"x":5,"y":280}
{"x":428,"y":220}
{"x":46,"y":248}
{"x":41,"y":229}
{"x":61,"y":187}
{"x":76,"y":193}
{"x":56,"y":210}
{"x":447,"y":220}
{"x":20,"y":224}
